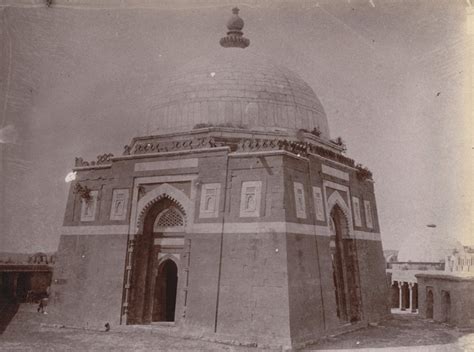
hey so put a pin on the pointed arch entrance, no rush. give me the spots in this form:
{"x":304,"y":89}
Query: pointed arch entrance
{"x":155,"y":263}
{"x":345,"y":268}
{"x":166,"y":285}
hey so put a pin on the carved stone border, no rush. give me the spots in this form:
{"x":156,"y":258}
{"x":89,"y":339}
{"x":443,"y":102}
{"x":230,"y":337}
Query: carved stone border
{"x":140,"y":207}
{"x":336,"y":198}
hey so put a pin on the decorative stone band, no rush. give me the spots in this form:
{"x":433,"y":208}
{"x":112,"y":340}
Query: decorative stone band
{"x":235,"y":227}
{"x":166,"y":164}
{"x":265,"y":153}
{"x":101,"y":159}
{"x":150,"y":146}
{"x":369,"y":236}
{"x":335,"y":172}
{"x":258,"y":145}
{"x":171,"y":242}
{"x":278,"y":227}
{"x":95,"y":230}
{"x":172,"y":153}
{"x":92,"y":167}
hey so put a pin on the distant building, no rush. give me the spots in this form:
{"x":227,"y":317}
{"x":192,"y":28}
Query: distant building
{"x":240,"y":221}
{"x":460,"y":260}
{"x":421,"y":281}
{"x":25,"y":277}
{"x":404,"y":285}
{"x":447,"y":298}
{"x":390,"y":255}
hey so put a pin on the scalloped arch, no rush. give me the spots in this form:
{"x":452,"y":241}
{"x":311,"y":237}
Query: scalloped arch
{"x":336,"y":199}
{"x":166,"y":257}
{"x":182,"y":202}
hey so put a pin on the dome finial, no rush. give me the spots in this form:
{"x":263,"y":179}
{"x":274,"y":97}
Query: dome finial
{"x":235,"y":38}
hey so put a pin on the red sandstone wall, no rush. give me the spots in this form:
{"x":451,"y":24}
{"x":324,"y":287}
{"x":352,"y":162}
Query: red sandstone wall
{"x":263,"y":287}
{"x":88,"y":280}
{"x":311,"y":287}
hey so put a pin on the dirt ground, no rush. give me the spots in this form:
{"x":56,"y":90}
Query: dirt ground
{"x":402,"y":333}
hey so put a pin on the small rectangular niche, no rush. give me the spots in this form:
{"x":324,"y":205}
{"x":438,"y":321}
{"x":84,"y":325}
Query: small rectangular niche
{"x":210,"y":195}
{"x":356,"y":207}
{"x":118,"y":210}
{"x":299,"y":200}
{"x":318,"y":204}
{"x":250,"y":199}
{"x":368,"y":214}
{"x":89,"y":207}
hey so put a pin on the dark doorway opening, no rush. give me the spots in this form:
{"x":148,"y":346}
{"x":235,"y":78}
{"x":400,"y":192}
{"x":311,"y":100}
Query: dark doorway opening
{"x":446,"y":306}
{"x":345,"y":268}
{"x":164,"y":301}
{"x":339,"y":291}
{"x":154,"y":282}
{"x":429,"y":303}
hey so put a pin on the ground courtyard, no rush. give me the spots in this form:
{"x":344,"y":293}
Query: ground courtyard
{"x":28,"y":331}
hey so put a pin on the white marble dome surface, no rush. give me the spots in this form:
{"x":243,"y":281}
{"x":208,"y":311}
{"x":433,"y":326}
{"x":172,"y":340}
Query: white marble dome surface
{"x":234,"y":87}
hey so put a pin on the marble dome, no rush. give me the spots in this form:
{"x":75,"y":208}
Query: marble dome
{"x":234,"y":87}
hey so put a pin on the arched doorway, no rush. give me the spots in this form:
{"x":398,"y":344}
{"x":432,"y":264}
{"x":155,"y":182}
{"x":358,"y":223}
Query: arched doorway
{"x":445,"y":306}
{"x":154,"y":281}
{"x":344,"y":267}
{"x":166,"y":284}
{"x":429,"y":303}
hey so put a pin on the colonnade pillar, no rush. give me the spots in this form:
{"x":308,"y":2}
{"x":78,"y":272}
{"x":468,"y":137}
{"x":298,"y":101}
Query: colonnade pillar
{"x":410,"y":286}
{"x":407,"y":296}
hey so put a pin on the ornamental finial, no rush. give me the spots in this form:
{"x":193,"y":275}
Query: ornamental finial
{"x":235,"y":38}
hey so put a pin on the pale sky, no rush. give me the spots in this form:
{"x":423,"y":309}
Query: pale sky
{"x":78,"y":79}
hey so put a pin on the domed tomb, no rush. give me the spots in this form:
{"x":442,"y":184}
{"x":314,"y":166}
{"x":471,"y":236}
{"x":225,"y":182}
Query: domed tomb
{"x":236,"y":88}
{"x":223,"y":226}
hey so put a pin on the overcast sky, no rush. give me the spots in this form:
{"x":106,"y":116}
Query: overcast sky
{"x":78,"y":78}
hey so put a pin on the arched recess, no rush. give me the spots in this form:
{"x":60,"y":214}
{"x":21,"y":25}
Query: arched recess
{"x":429,"y":303}
{"x":445,"y":306}
{"x":150,"y":288}
{"x":345,"y":267}
{"x":164,"y":190}
{"x":336,"y":199}
{"x":171,"y":257}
